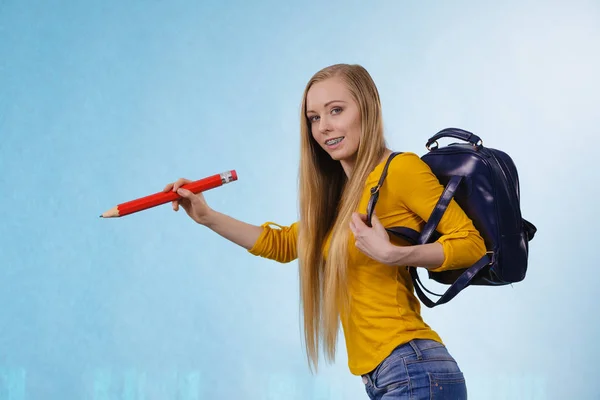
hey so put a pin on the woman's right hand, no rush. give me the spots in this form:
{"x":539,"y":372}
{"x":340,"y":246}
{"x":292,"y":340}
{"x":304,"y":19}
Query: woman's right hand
{"x":194,"y":204}
{"x":236,"y":231}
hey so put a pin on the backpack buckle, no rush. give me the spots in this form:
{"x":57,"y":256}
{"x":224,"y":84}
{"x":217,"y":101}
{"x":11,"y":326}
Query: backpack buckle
{"x":431,"y":146}
{"x":491,"y":256}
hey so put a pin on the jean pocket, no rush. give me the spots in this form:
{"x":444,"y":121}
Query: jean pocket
{"x":392,"y":377}
{"x":448,"y":386}
{"x":394,"y":386}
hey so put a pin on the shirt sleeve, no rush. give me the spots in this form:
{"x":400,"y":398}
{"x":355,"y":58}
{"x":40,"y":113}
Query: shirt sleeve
{"x":419,"y":190}
{"x":277,"y":243}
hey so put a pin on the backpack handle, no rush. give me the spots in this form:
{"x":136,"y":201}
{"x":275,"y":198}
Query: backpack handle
{"x":457,"y":134}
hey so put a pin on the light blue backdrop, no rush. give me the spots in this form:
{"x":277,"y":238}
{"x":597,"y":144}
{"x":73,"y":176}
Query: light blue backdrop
{"x":103,"y":102}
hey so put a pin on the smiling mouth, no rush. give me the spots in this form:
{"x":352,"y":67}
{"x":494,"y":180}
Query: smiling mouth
{"x":332,"y":142}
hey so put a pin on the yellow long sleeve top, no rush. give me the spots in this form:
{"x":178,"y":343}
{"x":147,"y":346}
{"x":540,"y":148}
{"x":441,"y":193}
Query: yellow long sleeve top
{"x":384,"y":309}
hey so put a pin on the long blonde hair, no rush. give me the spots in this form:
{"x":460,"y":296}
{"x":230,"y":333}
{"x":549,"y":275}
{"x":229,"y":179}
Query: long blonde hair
{"x":327,"y":200}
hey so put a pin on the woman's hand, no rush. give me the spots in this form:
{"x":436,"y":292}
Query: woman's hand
{"x":373,"y":241}
{"x":194,"y":204}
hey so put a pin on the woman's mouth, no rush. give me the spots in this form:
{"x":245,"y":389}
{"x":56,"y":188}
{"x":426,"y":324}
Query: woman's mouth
{"x":333,"y":143}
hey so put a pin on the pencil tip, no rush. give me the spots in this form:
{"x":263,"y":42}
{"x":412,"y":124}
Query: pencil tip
{"x":100,"y":216}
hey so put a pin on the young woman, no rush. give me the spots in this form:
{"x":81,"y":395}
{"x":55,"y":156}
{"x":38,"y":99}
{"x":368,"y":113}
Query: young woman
{"x":351,"y":272}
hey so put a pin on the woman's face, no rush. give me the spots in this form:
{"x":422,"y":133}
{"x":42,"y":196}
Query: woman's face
{"x":334,"y":119}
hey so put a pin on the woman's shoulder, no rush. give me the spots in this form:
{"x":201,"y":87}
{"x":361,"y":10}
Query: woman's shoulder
{"x":404,"y":166}
{"x":406,"y":163}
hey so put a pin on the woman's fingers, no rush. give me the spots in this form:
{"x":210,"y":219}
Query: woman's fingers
{"x":180,"y":182}
{"x":174,"y":186}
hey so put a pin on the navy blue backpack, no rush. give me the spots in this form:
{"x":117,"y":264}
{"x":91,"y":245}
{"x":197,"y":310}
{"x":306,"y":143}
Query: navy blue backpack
{"x":484,"y":182}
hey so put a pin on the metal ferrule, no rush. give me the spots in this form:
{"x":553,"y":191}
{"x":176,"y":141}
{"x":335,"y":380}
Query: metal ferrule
{"x":226,"y":177}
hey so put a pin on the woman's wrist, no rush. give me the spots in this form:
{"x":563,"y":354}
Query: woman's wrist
{"x":209,"y":219}
{"x":429,"y":255}
{"x":397,"y":255}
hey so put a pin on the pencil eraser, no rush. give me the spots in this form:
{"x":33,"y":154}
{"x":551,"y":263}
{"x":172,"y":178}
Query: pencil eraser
{"x":234,"y":174}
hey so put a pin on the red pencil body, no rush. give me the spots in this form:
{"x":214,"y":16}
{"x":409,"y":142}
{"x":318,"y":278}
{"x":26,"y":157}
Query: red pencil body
{"x":159,"y":198}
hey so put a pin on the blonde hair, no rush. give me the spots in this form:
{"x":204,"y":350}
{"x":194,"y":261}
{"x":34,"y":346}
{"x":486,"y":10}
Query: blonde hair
{"x":327,"y":199}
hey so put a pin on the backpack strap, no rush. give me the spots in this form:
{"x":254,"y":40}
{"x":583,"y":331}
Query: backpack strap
{"x":462,"y":282}
{"x":375,"y":189}
{"x":440,"y":208}
{"x":466,"y":277}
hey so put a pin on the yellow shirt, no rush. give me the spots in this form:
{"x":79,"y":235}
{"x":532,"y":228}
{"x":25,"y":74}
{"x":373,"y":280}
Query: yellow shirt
{"x":385,"y":312}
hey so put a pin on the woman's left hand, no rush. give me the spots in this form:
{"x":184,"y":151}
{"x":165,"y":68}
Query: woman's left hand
{"x":372,"y":241}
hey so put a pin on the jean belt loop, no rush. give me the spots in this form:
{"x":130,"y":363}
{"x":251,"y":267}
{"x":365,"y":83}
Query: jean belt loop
{"x":366,"y":378}
{"x":416,"y":349}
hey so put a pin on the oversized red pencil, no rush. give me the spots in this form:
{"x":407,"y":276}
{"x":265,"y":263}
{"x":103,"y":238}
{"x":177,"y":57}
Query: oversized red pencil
{"x":159,"y":198}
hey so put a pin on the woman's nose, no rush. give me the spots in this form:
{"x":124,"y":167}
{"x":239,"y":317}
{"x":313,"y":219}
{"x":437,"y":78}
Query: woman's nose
{"x":324,"y":125}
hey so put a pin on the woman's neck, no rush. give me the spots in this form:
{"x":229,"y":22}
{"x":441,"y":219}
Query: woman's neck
{"x":348,"y":164}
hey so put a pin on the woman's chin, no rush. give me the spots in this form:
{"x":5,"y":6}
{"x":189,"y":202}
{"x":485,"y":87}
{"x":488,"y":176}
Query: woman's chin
{"x":340,"y":154}
{"x":337,"y":154}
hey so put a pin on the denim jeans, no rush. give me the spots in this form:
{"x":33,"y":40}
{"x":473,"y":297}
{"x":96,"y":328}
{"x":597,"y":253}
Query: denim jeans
{"x":418,"y":370}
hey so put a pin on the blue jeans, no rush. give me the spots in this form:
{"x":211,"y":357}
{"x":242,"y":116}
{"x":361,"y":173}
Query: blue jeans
{"x":418,"y":370}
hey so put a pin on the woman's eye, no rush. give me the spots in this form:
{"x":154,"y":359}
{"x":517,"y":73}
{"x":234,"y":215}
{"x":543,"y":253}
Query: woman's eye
{"x":336,"y":110}
{"x":313,"y":118}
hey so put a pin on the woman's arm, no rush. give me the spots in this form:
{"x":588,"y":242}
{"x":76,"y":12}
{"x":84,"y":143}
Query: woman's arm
{"x":262,"y":240}
{"x":430,"y":255}
{"x":374,"y":241}
{"x":419,"y":190}
{"x":238,"y":232}
{"x":411,"y":185}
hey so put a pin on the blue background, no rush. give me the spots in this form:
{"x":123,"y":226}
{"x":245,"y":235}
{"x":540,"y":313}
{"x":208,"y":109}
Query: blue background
{"x":104,"y":102}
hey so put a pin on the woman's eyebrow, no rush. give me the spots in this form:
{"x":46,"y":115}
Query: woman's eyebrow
{"x":328,"y":103}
